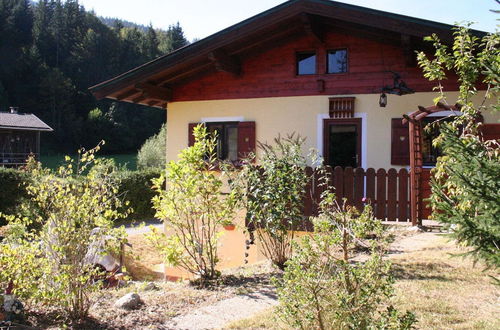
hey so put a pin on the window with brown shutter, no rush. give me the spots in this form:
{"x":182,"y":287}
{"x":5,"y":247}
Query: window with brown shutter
{"x":400,"y":147}
{"x":235,"y":140}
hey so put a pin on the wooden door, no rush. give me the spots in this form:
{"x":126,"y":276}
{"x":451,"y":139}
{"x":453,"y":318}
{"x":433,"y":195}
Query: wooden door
{"x":342,"y":142}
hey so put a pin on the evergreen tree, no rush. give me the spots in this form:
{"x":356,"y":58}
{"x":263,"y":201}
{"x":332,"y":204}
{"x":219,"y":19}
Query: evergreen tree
{"x":466,"y":189}
{"x":151,"y":43}
{"x":173,"y":39}
{"x":51,"y":51}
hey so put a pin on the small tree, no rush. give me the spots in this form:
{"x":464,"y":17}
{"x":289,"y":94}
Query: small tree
{"x":466,"y":185}
{"x":153,"y":152}
{"x":51,"y":255}
{"x":193,"y":208}
{"x":275,"y":188}
{"x":323,"y":288}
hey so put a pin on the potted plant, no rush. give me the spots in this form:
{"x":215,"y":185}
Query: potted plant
{"x":228,"y":226}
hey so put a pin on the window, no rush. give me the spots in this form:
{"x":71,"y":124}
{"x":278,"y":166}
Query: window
{"x":430,"y":153}
{"x":227,"y":139}
{"x":306,"y":63}
{"x":235,"y":140}
{"x":337,"y":61}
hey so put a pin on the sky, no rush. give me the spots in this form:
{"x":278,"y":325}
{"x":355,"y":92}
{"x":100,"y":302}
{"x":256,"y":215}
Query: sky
{"x":201,"y":18}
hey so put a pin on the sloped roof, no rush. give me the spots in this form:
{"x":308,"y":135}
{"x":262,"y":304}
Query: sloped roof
{"x":192,"y":59}
{"x":22,"y":121}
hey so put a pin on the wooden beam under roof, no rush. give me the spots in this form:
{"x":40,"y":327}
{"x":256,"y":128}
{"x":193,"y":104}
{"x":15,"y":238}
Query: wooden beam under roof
{"x":126,"y":94}
{"x":224,"y":62}
{"x":408,"y":51}
{"x":150,"y":91}
{"x":312,"y":28}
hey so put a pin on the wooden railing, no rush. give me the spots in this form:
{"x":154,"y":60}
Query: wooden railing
{"x":9,"y":159}
{"x":386,"y":191}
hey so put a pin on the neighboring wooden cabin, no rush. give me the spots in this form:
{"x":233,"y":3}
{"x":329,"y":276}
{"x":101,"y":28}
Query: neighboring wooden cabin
{"x":19,"y":137}
{"x":322,"y":69}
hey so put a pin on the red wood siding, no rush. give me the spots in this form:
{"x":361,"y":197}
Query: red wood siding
{"x":271,"y":73}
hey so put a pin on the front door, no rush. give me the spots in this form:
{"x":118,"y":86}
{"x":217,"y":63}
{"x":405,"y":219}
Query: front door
{"x":342,"y":142}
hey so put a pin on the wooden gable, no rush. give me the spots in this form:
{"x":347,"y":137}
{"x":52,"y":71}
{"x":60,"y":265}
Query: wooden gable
{"x":255,"y":58}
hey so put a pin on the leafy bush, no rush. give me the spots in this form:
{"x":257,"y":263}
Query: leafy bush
{"x":466,"y":189}
{"x":323,"y":288}
{"x":13,"y":191}
{"x":193,"y":208}
{"x":274,"y":191}
{"x":50,"y":256}
{"x":153,"y":152}
{"x":136,"y":187}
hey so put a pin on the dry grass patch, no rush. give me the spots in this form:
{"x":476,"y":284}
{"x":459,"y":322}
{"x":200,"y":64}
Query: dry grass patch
{"x":444,"y":292}
{"x":141,"y":259}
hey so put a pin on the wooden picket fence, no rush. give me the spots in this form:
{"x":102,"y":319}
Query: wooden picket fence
{"x":388,"y":192}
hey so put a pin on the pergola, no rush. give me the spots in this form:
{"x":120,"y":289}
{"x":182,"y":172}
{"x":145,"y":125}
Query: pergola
{"x":415,"y":127}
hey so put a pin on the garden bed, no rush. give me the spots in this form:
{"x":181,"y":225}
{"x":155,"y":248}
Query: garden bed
{"x":161,"y":304}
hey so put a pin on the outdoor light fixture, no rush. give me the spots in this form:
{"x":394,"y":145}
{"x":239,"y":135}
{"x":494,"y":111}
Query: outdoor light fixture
{"x":383,"y":100}
{"x":399,"y":88}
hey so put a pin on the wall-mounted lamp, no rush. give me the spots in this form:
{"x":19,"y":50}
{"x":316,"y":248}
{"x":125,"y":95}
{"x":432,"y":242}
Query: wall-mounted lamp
{"x":399,"y":88}
{"x":383,"y":100}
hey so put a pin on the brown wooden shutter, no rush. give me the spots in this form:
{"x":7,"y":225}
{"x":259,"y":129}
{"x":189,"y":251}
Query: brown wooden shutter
{"x":490,"y":131}
{"x":400,"y":147}
{"x":191,"y":127}
{"x":246,"y":138}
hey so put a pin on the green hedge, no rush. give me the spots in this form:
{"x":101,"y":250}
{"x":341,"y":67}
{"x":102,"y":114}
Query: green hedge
{"x":135,"y":186}
{"x":12,"y":190}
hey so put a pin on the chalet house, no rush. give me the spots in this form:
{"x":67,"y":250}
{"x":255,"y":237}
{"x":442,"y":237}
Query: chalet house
{"x":19,"y":137}
{"x":340,"y":75}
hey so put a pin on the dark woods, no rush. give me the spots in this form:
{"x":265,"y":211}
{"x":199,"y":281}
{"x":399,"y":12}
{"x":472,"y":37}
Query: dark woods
{"x":51,"y":51}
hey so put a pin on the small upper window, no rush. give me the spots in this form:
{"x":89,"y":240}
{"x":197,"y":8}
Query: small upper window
{"x":306,"y":63}
{"x":337,"y":61}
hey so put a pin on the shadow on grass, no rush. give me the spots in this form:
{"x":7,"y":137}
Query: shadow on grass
{"x":422,"y":271}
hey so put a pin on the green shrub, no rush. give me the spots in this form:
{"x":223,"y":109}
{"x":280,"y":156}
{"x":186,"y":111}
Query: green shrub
{"x":275,"y":189}
{"x":194,"y":208}
{"x":136,"y":187}
{"x":323,"y":288}
{"x":153,"y":152}
{"x":13,"y":190}
{"x":50,"y":256}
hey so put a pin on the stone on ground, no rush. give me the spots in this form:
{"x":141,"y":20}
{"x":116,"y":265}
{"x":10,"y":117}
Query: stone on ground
{"x":129,"y":301}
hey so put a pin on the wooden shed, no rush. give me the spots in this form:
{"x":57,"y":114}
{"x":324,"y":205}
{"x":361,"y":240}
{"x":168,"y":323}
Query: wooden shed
{"x":19,"y":137}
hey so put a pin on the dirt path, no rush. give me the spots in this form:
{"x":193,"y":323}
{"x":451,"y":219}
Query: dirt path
{"x":413,"y":243}
{"x":223,"y":312}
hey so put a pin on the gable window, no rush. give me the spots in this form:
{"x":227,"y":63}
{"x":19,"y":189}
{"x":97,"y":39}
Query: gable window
{"x":235,"y":140}
{"x":337,"y":61}
{"x":306,"y":63}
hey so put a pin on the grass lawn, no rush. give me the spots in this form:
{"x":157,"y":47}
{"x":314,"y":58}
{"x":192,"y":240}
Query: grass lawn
{"x":444,"y":292}
{"x":128,"y":160}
